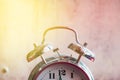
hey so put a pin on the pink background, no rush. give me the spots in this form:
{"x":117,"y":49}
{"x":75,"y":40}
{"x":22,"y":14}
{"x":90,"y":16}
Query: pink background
{"x":22,"y":23}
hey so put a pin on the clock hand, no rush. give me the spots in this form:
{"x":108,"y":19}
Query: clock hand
{"x":60,"y":78}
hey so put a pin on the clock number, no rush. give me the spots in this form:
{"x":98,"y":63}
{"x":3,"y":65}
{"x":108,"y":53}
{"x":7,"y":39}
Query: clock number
{"x":51,"y":75}
{"x":62,"y":72}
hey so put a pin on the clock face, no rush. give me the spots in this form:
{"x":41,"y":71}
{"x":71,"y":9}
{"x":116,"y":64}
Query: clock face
{"x":61,"y":71}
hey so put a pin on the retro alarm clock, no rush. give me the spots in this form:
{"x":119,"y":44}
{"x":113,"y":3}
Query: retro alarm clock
{"x":60,"y":67}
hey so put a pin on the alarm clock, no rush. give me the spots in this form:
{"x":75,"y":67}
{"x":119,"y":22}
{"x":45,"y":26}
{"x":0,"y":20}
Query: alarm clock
{"x":60,"y":67}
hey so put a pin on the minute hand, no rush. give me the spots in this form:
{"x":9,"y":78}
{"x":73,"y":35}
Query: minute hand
{"x":60,"y":78}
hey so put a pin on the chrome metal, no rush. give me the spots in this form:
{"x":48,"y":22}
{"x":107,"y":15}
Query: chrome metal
{"x":51,"y":60}
{"x":38,"y":51}
{"x":43,"y":59}
{"x":82,"y":51}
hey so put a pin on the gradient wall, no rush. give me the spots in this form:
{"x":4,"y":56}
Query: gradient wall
{"x":22,"y":23}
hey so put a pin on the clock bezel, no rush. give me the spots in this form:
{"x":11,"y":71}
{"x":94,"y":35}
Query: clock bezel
{"x":56,"y":63}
